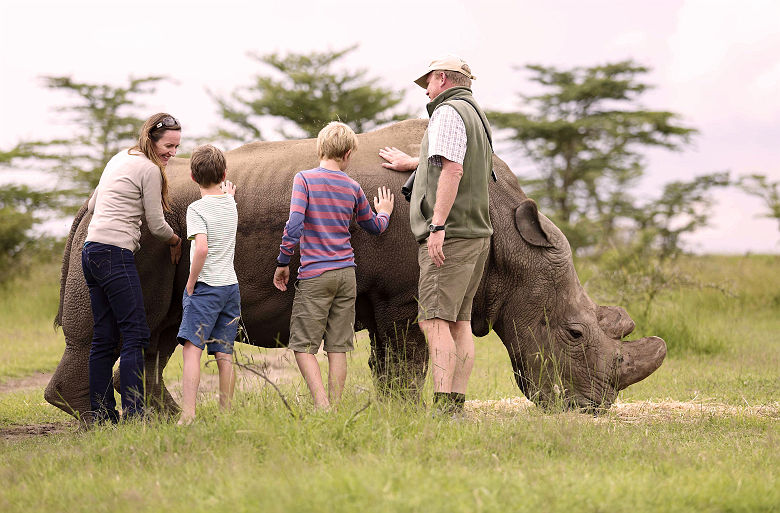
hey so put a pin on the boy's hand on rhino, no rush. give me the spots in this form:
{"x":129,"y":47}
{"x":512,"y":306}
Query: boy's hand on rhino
{"x":385,"y":202}
{"x":229,"y":187}
{"x":281,"y":277}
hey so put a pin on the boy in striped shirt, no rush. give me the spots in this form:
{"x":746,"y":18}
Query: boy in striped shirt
{"x":321,"y":208}
{"x":211,"y":302}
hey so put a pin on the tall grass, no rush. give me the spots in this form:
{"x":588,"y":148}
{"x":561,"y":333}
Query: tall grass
{"x":28,"y":305}
{"x":397,"y":456}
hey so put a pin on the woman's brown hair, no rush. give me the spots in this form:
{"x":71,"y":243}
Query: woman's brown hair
{"x":152,"y":130}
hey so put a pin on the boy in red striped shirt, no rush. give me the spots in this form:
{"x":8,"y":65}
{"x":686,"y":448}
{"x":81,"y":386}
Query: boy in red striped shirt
{"x":321,"y":208}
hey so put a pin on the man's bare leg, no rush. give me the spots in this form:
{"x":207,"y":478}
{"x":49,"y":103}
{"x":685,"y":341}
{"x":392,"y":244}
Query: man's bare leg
{"x":464,"y":348}
{"x":441,"y":348}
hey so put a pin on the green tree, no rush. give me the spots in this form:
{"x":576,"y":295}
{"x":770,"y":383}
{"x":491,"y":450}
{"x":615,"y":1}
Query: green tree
{"x":761,"y":187}
{"x":682,"y":208}
{"x":103,"y":123}
{"x":306,"y":91}
{"x":20,"y":208}
{"x":103,"y":120}
{"x":586,"y":132}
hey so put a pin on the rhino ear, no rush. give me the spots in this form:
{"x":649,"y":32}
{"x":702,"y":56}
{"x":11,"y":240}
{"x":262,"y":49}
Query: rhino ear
{"x":527,"y":221}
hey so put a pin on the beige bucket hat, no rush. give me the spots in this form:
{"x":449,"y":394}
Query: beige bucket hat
{"x":446,"y":63}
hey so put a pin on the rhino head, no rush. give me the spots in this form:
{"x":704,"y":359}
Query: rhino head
{"x":564,"y":348}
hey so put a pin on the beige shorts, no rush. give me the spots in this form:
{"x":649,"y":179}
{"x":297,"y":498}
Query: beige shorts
{"x":324,"y":309}
{"x":447,"y":292}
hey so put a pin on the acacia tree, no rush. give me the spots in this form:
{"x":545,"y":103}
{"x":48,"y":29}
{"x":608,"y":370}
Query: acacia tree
{"x":103,"y":123}
{"x":760,"y":186}
{"x":20,"y":209}
{"x":103,"y":120}
{"x":305,"y":92}
{"x":586,"y":132}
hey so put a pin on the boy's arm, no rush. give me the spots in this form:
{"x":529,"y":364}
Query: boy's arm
{"x":292,"y":231}
{"x":291,"y":237}
{"x":199,"y":254}
{"x":375,"y":223}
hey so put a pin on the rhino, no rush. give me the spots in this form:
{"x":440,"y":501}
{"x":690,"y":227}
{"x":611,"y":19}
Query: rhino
{"x":562,"y":346}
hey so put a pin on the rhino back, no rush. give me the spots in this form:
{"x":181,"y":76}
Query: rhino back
{"x":263,"y":173}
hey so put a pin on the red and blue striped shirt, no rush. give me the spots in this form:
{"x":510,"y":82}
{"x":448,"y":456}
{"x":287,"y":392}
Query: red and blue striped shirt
{"x":321,"y":208}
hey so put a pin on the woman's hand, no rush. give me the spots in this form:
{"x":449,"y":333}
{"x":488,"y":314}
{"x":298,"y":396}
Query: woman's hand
{"x":175,"y":250}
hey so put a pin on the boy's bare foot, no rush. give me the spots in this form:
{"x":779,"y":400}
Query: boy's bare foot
{"x":185,"y":421}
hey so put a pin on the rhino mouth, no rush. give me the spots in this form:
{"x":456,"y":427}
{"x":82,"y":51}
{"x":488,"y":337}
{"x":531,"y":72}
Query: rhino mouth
{"x":575,"y":401}
{"x":590,"y":406}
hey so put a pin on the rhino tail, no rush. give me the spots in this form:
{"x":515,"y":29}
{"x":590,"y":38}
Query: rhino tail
{"x":66,"y":261}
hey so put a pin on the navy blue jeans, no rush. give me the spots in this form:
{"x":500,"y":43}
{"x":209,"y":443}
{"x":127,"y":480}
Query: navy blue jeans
{"x":117,"y":309}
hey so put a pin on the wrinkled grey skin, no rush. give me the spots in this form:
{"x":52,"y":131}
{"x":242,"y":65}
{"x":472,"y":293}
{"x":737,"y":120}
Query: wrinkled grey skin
{"x":563,"y":347}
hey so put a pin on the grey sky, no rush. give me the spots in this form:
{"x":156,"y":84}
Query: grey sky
{"x":717,"y":63}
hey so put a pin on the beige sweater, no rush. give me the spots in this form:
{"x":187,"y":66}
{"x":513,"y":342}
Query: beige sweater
{"x":129,"y":187}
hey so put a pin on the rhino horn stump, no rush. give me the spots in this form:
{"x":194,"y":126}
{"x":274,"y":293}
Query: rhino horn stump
{"x":640,"y":358}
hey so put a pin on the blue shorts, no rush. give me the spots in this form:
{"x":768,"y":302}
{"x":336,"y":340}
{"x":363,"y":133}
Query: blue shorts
{"x":210,"y":317}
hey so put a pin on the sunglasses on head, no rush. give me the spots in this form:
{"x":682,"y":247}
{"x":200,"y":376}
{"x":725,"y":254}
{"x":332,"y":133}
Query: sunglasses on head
{"x":167,"y":122}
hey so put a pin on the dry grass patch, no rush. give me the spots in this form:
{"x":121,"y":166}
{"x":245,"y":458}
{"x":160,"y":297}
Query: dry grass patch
{"x":633,"y":412}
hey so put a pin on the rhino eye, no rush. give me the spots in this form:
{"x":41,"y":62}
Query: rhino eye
{"x":574,"y":333}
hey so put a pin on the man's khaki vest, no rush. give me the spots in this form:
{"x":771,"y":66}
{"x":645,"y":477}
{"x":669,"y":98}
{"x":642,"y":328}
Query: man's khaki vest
{"x":469,"y":217}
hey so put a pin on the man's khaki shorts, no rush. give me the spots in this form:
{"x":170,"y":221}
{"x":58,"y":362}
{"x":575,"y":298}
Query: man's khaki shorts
{"x":447,"y":292}
{"x":324,"y":309}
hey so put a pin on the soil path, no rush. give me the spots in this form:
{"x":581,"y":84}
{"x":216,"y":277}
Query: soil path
{"x":37,"y":380}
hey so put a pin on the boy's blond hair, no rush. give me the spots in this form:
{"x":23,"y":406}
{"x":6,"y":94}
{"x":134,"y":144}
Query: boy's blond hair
{"x":335,"y":140}
{"x":208,"y":165}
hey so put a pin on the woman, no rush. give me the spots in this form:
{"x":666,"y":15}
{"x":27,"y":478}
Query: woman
{"x":132,"y":184}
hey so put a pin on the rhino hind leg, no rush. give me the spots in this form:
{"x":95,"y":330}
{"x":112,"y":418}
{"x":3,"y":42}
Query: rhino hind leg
{"x":158,"y":398}
{"x":68,"y":388}
{"x":158,"y":395}
{"x":399,"y":360}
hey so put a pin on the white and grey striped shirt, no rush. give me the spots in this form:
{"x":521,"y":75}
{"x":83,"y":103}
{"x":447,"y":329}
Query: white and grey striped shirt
{"x":217,"y":217}
{"x":446,"y":136}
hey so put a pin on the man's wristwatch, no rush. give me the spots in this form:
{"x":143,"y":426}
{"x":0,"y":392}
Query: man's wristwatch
{"x":279,"y":264}
{"x":435,"y":228}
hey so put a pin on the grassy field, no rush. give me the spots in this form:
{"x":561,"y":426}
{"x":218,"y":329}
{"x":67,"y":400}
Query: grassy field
{"x":700,"y":434}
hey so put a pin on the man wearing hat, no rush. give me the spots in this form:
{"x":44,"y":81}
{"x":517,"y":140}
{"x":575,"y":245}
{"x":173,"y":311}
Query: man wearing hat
{"x":450,"y":218}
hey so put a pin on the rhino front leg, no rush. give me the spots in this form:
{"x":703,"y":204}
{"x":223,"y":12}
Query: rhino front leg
{"x":68,"y":388}
{"x":399,"y":360}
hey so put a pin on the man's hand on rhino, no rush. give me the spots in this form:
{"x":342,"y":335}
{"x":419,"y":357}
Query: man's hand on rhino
{"x":436,"y":247}
{"x":398,"y":160}
{"x":281,"y":277}
{"x":385,"y":202}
